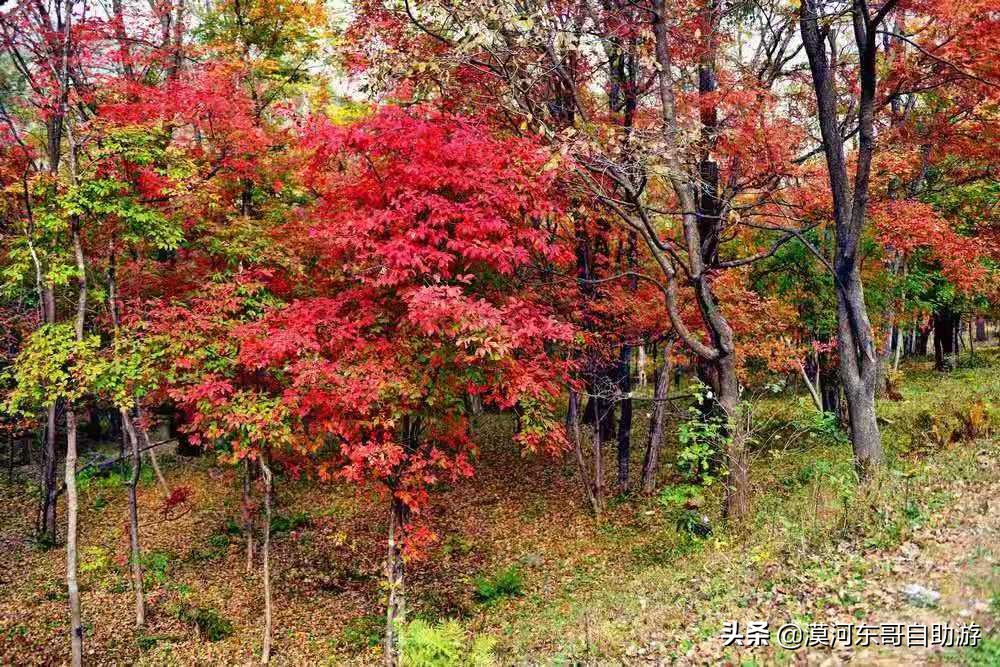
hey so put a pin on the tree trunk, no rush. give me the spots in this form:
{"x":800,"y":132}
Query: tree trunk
{"x":47,"y":531}
{"x":266,"y":558}
{"x":651,"y":462}
{"x":944,"y":336}
{"x":737,"y":501}
{"x":598,"y":454}
{"x":892,"y":342}
{"x":76,"y":626}
{"x":72,"y":588}
{"x":920,"y":344}
{"x":625,"y":418}
{"x":122,"y":438}
{"x":600,"y":408}
{"x":980,"y":329}
{"x":148,"y":447}
{"x":903,"y":341}
{"x":859,"y":361}
{"x":814,"y":389}
{"x":396,"y":608}
{"x":133,"y":516}
{"x":161,"y":480}
{"x":573,"y":431}
{"x":858,"y":373}
{"x":247,"y":516}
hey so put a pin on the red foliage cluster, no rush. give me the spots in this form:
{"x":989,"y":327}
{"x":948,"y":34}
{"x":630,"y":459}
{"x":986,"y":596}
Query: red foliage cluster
{"x":908,"y":226}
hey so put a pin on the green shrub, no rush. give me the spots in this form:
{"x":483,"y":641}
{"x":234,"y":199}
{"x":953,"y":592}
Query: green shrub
{"x":113,"y":477}
{"x":148,"y":642}
{"x":362,"y":632}
{"x":286,"y":524}
{"x":155,"y":565}
{"x":702,"y":438}
{"x":208,"y":622}
{"x":985,"y":654}
{"x":509,"y":582}
{"x":233,"y":527}
{"x":422,"y":644}
{"x":672,"y":497}
{"x":456,"y":544}
{"x":972,"y":361}
{"x":94,"y":559}
{"x":823,"y":427}
{"x":215,"y":547}
{"x":99,"y":502}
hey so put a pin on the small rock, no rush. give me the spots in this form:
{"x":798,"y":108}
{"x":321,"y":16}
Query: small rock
{"x":910,"y":551}
{"x":920,"y":595}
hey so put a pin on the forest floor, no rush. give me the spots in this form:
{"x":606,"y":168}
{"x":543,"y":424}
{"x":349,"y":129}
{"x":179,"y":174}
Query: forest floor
{"x":520,"y":559}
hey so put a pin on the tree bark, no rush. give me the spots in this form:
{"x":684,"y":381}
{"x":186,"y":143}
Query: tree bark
{"x":71,"y":438}
{"x":151,"y":451}
{"x":597,"y":447}
{"x":944,"y":336}
{"x":396,"y":608}
{"x":905,"y":347}
{"x":737,"y":500}
{"x":859,"y":375}
{"x":651,"y":461}
{"x":698,"y":207}
{"x":160,"y":479}
{"x":129,"y":434}
{"x":72,"y":587}
{"x":624,"y":418}
{"x":814,"y":390}
{"x":859,"y":362}
{"x":573,"y":431}
{"x":920,"y":344}
{"x":47,"y":531}
{"x":266,"y":558}
{"x":133,"y":515}
{"x":247,"y":516}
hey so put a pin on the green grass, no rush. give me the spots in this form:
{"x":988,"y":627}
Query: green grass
{"x":986,"y":654}
{"x":808,"y":505}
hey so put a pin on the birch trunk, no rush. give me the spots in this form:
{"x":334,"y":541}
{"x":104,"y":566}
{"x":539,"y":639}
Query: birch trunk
{"x":396,"y":608}
{"x":72,"y":587}
{"x":266,"y":558}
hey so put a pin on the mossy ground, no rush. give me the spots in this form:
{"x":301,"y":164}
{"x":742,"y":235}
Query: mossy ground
{"x":625,"y":588}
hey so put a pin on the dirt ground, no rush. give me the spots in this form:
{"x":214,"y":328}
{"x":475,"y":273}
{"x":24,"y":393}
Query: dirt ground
{"x":627,"y":588}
